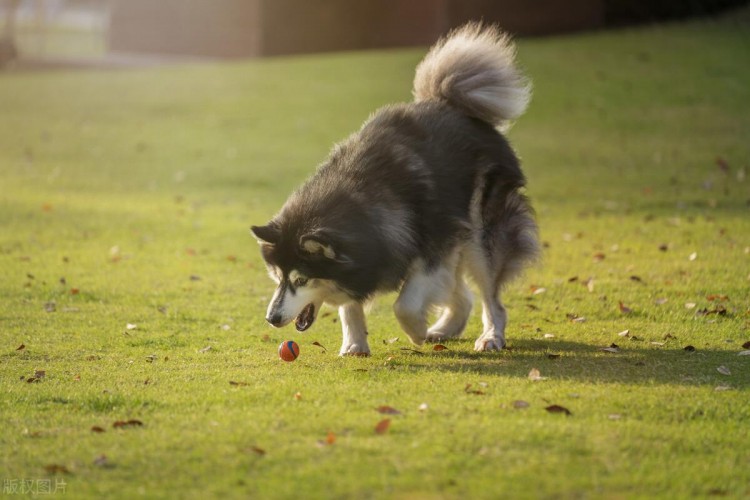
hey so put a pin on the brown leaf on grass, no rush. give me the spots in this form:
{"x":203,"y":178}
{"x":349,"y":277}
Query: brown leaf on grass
{"x":722,"y":164}
{"x":535,"y":375}
{"x":387,"y":410}
{"x":320,"y":345}
{"x":637,"y":279}
{"x":558,"y":409}
{"x":599,"y":256}
{"x":238,"y":384}
{"x":575,"y":318}
{"x":383,"y":426}
{"x":21,"y":347}
{"x":257,"y":450}
{"x":717,"y":298}
{"x":572,"y":279}
{"x":689,"y":348}
{"x":469,"y":390}
{"x":102,"y":461}
{"x":97,"y":429}
{"x":56,"y":469}
{"x":50,"y":307}
{"x":663,"y":247}
{"x":612,"y":348}
{"x":520,"y":404}
{"x":623,"y":308}
{"x":298,"y":396}
{"x":553,"y":356}
{"x":330,"y":438}
{"x":439,"y":347}
{"x":74,"y":291}
{"x":746,"y":345}
{"x":120,"y":424}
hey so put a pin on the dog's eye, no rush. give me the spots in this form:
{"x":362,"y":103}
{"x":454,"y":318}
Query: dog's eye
{"x":300,"y":282}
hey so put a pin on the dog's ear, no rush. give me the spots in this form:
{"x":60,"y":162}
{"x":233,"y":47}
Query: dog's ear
{"x":322,"y":243}
{"x":268,"y":234}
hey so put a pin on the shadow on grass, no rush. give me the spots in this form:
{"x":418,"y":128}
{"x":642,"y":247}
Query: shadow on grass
{"x":629,"y":362}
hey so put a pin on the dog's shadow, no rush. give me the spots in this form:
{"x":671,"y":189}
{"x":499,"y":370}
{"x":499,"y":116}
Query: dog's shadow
{"x":629,"y":362}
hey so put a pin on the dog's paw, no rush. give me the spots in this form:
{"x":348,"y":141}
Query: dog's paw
{"x":355,"y":350}
{"x":435,"y":336}
{"x":489,"y":344}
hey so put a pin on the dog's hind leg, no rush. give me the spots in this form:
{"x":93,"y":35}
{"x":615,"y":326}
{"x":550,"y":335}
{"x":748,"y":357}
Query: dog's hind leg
{"x":494,"y":316}
{"x":355,"y":330}
{"x":455,"y":313}
{"x":423,"y":289}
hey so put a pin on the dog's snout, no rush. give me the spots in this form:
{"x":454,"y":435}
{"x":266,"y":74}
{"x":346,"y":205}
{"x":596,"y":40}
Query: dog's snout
{"x":274,"y":319}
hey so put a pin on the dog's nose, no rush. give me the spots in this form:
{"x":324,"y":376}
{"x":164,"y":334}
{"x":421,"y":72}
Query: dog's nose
{"x":274,"y":320}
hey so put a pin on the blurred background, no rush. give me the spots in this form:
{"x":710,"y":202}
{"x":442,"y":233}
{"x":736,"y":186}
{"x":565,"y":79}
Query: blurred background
{"x":127,"y":32}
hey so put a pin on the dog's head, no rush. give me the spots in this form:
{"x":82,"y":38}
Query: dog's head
{"x":305,"y":269}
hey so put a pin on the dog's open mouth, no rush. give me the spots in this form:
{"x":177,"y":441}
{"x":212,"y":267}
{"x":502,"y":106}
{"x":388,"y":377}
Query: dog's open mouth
{"x":305,"y":318}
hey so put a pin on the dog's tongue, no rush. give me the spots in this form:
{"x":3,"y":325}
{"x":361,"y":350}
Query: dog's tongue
{"x":305,"y":318}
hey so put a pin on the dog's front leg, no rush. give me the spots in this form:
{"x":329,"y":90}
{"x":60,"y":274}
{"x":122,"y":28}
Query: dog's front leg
{"x":355,"y":330}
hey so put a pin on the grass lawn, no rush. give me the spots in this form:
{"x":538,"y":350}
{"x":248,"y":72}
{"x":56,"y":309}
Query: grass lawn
{"x":129,"y":277}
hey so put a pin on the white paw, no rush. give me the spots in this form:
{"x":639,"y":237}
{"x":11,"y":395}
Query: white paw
{"x":355,"y":350}
{"x":489,"y":344}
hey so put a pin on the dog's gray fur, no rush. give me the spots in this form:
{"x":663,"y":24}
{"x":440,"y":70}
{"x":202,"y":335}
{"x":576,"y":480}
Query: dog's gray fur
{"x":423,"y":194}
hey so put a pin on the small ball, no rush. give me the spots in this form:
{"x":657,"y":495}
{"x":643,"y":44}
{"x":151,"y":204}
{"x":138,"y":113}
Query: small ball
{"x":288,"y":350}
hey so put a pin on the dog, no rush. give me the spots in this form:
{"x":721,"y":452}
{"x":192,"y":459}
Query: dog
{"x":424,"y":194}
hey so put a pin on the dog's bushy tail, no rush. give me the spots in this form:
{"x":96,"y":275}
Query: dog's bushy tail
{"x":473,"y":69}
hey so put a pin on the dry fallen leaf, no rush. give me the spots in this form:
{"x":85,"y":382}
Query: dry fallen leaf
{"x":553,"y":356}
{"x":330,"y":438}
{"x":623,"y":308}
{"x":130,"y":326}
{"x":127,"y":423}
{"x":56,"y":468}
{"x":423,"y":407}
{"x":558,"y":409}
{"x":320,"y":345}
{"x":746,"y":345}
{"x":599,"y":256}
{"x":549,"y":335}
{"x":298,"y":396}
{"x":469,"y":390}
{"x":520,"y":404}
{"x":724,"y":370}
{"x":744,"y":353}
{"x":21,"y":347}
{"x":535,"y":375}
{"x":236,"y":383}
{"x":689,"y":348}
{"x":382,"y":426}
{"x":101,"y":461}
{"x":390,"y":341}
{"x":98,"y":429}
{"x":624,"y":333}
{"x":693,"y":256}
{"x":388,"y":410}
{"x":439,"y":347}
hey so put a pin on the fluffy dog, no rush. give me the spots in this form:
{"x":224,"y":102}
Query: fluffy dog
{"x":423,"y":194}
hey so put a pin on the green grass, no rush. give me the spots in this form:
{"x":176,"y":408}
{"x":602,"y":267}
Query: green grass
{"x":137,"y":188}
